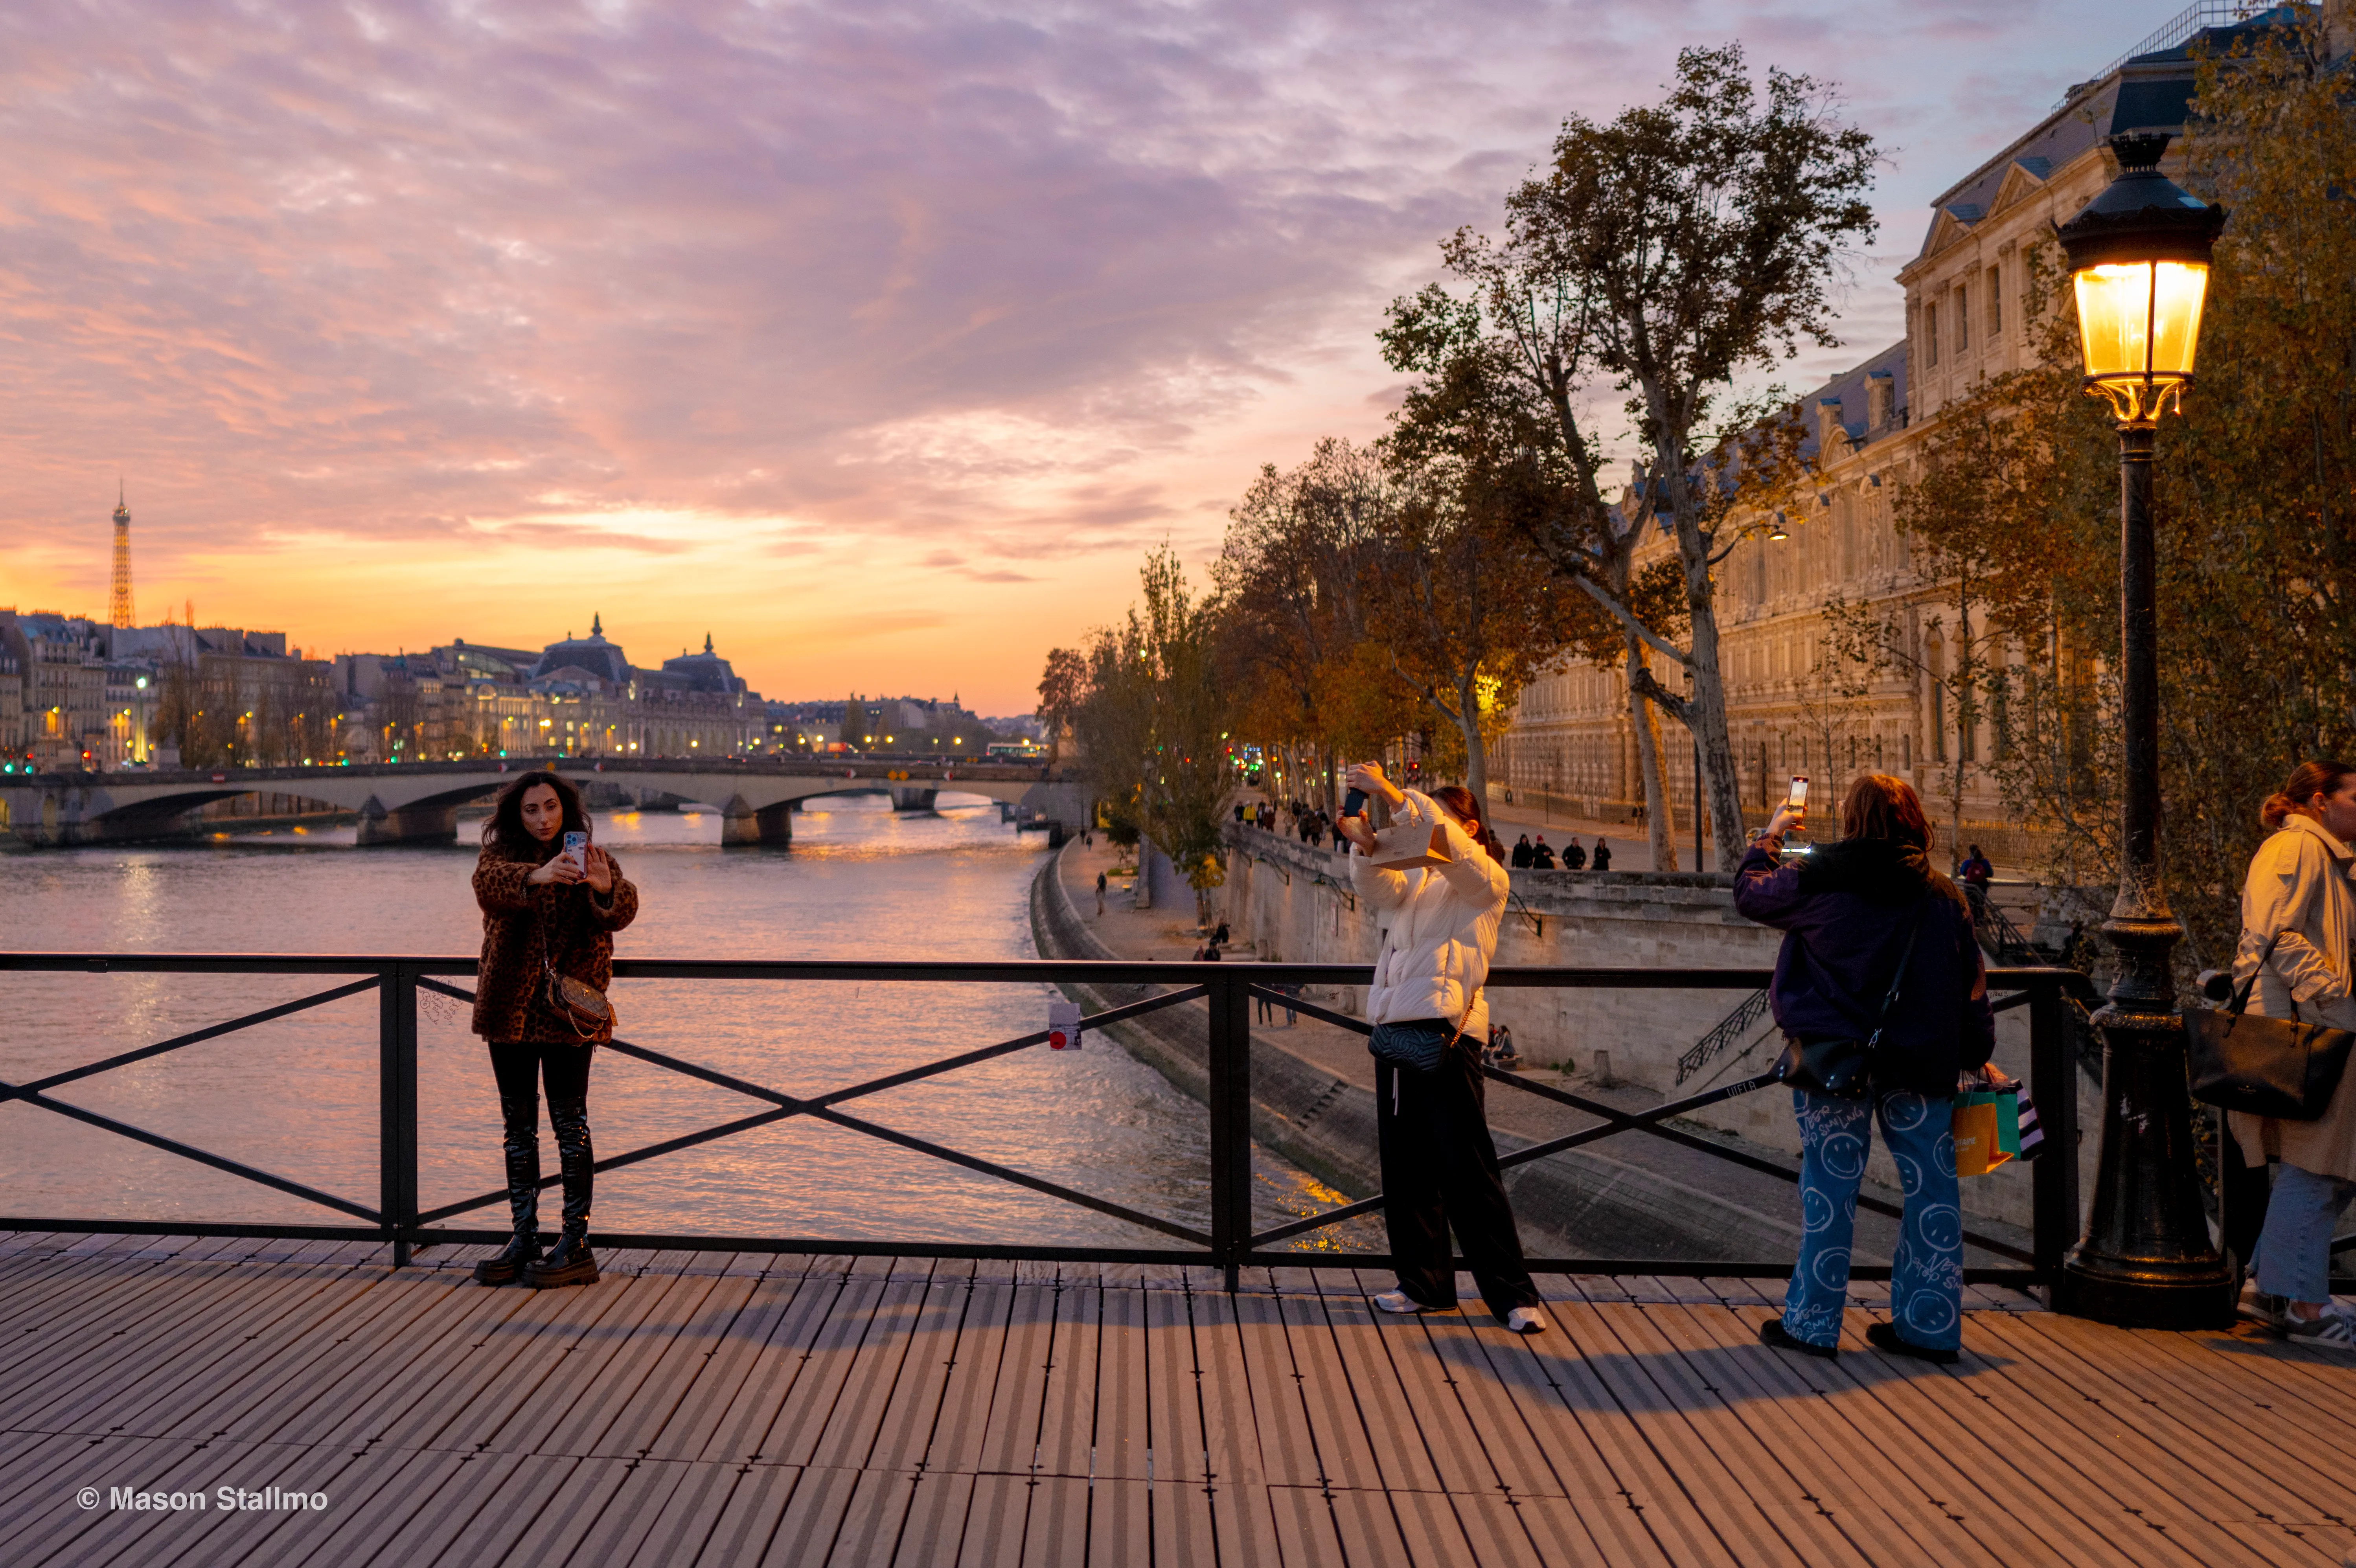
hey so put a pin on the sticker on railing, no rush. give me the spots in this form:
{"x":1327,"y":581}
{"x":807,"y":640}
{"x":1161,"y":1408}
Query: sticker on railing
{"x":1063,"y":1026}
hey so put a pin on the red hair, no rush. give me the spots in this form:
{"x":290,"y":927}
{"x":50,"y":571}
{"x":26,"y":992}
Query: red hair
{"x":2307,"y":781}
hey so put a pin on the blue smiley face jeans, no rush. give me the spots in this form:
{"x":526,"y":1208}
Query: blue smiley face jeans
{"x":1926,"y":1286}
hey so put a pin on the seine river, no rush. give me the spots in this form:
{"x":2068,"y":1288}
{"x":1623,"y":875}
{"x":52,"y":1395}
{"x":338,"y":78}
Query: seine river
{"x":298,"y":1097}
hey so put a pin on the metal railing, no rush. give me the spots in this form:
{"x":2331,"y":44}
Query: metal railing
{"x":1228,"y":990}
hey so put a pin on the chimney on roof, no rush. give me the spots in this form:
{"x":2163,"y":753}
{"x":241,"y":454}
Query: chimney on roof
{"x":1829,"y":426}
{"x":1880,"y":400}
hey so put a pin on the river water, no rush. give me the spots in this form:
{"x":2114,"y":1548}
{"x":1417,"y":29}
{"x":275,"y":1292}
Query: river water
{"x":297,"y":1097}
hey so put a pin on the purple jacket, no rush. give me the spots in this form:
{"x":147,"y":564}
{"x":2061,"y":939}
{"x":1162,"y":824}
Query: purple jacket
{"x":1846,"y":910}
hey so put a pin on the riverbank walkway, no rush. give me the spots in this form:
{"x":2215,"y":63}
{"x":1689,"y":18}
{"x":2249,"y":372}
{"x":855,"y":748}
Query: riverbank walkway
{"x":745,"y":1408}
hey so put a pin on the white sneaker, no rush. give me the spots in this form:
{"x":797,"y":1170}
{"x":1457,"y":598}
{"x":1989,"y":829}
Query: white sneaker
{"x":1527,"y":1320}
{"x":2332,"y":1332}
{"x":2255,"y":1305}
{"x":1400,"y":1301}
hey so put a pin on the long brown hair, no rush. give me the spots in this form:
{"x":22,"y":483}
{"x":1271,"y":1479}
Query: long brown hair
{"x":1459,"y":799}
{"x":1880,"y":806}
{"x":505,"y":831}
{"x":2307,"y":781}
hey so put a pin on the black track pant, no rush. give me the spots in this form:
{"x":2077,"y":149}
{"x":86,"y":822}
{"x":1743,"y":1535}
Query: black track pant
{"x":1439,"y":1171}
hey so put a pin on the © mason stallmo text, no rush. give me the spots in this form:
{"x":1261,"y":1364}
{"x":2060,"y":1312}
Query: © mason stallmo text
{"x":228,"y":1498}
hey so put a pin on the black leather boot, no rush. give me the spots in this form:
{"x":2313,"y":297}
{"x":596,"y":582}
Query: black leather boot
{"x":520,"y":1143}
{"x":571,"y":1262}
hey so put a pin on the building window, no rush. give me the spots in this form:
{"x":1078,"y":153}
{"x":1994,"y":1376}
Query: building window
{"x":1930,"y":330}
{"x":1963,"y":318}
{"x":1995,"y":303}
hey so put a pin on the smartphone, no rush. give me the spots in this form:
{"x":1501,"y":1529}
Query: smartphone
{"x":577,"y":846}
{"x":1355,"y":804}
{"x":1799,"y":797}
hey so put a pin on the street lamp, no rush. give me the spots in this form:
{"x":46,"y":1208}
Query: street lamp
{"x":2138,"y":258}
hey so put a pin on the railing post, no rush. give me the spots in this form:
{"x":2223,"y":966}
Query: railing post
{"x":397,"y":1105}
{"x":1230,"y":1097}
{"x":2053,"y":1084}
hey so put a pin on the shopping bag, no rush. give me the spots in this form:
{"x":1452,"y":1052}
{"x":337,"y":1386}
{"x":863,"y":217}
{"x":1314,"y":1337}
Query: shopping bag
{"x":1978,"y":1147}
{"x":2007,"y":1125}
{"x":2032,"y":1137}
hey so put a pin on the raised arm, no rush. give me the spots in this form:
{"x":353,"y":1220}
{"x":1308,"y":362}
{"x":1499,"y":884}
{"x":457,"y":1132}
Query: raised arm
{"x":1471,"y":869}
{"x":502,"y":886}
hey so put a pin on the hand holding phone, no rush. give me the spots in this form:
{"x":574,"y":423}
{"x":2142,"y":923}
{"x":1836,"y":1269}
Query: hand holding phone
{"x":1798,"y":799}
{"x":576,"y":845}
{"x":1355,"y":804}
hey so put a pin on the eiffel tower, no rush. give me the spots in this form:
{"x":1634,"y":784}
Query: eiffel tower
{"x":121,"y":614}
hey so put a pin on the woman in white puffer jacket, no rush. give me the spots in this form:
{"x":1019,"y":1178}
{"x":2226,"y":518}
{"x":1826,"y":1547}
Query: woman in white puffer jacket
{"x":1440,"y":1164}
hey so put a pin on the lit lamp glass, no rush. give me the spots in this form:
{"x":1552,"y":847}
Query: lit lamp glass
{"x":2139,"y":265}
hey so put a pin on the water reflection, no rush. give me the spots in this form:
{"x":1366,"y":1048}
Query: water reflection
{"x":298,"y":1095}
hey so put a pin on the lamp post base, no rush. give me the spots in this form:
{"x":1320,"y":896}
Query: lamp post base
{"x":2147,"y":1261}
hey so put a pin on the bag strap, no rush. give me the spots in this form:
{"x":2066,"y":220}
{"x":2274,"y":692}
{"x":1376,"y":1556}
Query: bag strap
{"x":2242,"y":997}
{"x":1881,"y":1019}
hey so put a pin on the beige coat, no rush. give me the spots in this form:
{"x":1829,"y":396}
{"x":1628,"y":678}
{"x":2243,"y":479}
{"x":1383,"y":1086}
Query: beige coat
{"x":1443,"y":929}
{"x":2302,"y":882}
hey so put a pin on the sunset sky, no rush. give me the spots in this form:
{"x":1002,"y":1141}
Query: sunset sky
{"x":878,"y":340}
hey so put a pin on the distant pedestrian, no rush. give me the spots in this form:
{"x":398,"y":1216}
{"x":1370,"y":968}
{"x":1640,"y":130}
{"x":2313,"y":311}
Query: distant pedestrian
{"x":1439,"y":1164}
{"x":1219,"y":937}
{"x":1100,"y":893}
{"x":1541,"y":856}
{"x":547,"y":914}
{"x":1880,"y":991}
{"x":1521,"y":853}
{"x":1602,"y":854}
{"x":1976,"y":873}
{"x":1574,"y":858}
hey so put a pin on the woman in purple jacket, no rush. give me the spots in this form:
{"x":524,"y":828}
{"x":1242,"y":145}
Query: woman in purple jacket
{"x":1852,"y":912}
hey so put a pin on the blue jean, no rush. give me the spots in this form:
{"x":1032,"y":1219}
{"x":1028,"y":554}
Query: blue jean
{"x":1926,"y":1286}
{"x":2295,"y":1249}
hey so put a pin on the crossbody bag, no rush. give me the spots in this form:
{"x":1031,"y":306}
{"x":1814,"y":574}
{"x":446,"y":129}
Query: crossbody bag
{"x":1839,"y":1068}
{"x":578,"y":1003}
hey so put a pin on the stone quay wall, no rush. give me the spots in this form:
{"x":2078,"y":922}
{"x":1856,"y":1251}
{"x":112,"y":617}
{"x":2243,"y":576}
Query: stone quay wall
{"x":1293,"y":903}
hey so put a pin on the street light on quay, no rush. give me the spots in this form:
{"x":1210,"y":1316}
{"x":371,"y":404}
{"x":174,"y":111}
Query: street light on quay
{"x":2138,"y":257}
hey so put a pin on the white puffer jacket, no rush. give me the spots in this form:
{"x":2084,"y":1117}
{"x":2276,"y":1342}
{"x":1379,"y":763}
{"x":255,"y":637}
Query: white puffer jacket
{"x":1444,"y":928}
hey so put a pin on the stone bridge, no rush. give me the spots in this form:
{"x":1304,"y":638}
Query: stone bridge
{"x":409,"y":803}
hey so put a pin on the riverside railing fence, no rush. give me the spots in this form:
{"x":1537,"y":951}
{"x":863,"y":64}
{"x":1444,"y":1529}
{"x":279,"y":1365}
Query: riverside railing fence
{"x":1228,"y":991}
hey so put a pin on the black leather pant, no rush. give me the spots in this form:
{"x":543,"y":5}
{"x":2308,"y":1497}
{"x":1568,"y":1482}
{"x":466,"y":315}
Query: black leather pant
{"x":519,"y":1065}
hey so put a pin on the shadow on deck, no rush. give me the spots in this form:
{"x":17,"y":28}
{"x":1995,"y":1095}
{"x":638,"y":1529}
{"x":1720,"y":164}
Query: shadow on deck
{"x":741,"y":1408}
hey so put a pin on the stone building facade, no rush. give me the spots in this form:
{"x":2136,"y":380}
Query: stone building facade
{"x":1572,"y":743}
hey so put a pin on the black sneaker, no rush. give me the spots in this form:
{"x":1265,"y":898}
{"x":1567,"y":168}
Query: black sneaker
{"x":570,"y":1262}
{"x":1773,"y":1332}
{"x":502,"y":1267}
{"x":1884,"y":1337}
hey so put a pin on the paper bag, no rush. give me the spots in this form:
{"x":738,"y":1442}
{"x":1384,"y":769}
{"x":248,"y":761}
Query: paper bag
{"x":1978,"y":1133}
{"x":1403,"y":846}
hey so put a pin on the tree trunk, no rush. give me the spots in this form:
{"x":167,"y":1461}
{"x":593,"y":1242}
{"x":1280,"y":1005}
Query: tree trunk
{"x":1660,"y":828}
{"x":1706,"y":716}
{"x":1476,"y":755}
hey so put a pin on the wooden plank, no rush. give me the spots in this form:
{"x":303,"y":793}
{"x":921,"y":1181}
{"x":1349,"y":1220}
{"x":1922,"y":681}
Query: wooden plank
{"x":1491,"y":1522}
{"x":908,"y":1410}
{"x":873,"y":1506}
{"x":1231,"y":1436}
{"x":133,"y":1301}
{"x":933,"y":1514}
{"x":1698,"y":1430}
{"x":1055,"y":1528}
{"x":2186,"y":1431}
{"x":1330,"y":1419}
{"x":576,"y":1405}
{"x":1011,"y":1437}
{"x":680,"y":1374}
{"x":1882,"y":1506}
{"x":1121,"y":1523}
{"x":751,"y":1379}
{"x":1127,"y":1425}
{"x":2109,"y":1446}
{"x":968,"y":1400}
{"x":1303,"y":1524}
{"x":746,"y":1523}
{"x":1286,"y":1445}
{"x":1176,"y":1400}
{"x":849,"y":1372}
{"x":1065,"y":1441}
{"x":353,"y":1399}
{"x":1394,"y":1444}
{"x":998,"y":1509}
{"x":1692,"y":1504}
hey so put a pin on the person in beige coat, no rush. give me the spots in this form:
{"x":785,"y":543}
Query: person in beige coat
{"x":2301,"y":895}
{"x":1438,"y":1162}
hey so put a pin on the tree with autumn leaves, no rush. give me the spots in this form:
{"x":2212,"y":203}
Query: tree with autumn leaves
{"x":2014,"y":514}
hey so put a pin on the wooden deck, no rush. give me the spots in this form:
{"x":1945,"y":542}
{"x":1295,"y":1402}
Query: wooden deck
{"x":720,"y":1408}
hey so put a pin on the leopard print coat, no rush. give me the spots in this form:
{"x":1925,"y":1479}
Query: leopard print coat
{"x":578,"y":927}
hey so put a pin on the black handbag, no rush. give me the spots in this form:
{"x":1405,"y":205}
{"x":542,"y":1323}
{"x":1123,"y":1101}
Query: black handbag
{"x":1837,"y":1068}
{"x":2269,"y":1067}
